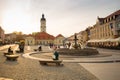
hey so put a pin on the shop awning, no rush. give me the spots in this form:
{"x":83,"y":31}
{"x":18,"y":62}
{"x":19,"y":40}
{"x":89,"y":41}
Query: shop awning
{"x":106,"y":40}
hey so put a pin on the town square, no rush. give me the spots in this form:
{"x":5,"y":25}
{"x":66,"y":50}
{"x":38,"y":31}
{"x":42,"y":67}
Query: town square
{"x":64,"y":40}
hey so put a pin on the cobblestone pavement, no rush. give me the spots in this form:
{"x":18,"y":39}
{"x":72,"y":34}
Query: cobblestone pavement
{"x":104,"y":57}
{"x":30,"y":69}
{"x":104,"y":71}
{"x":104,"y":66}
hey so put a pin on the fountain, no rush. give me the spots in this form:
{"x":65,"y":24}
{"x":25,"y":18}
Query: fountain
{"x":77,"y":51}
{"x":75,"y":40}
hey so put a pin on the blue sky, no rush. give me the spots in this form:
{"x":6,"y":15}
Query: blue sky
{"x":64,"y":17}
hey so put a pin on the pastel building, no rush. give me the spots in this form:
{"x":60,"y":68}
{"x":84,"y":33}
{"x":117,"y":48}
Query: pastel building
{"x":2,"y":36}
{"x":42,"y":37}
{"x":106,"y":31}
{"x":30,"y":40}
{"x":59,"y":39}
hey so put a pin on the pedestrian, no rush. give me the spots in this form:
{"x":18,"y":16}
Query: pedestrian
{"x":10,"y":50}
{"x":69,"y":44}
{"x":40,"y":48}
{"x":55,"y":55}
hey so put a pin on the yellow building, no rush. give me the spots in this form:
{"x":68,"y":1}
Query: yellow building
{"x":29,"y":40}
{"x":2,"y":36}
{"x":59,"y":40}
{"x":42,"y":37}
{"x":106,"y":31}
{"x":43,"y":24}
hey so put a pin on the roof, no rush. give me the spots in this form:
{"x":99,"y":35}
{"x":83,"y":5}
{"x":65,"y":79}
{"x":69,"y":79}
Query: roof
{"x":1,"y":28}
{"x":59,"y":35}
{"x":101,"y":19}
{"x":43,"y":17}
{"x":114,"y":13}
{"x":44,"y":36}
{"x":29,"y":35}
{"x":111,"y":15}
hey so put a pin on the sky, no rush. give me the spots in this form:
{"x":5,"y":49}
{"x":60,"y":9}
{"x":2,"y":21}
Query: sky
{"x":64,"y":17}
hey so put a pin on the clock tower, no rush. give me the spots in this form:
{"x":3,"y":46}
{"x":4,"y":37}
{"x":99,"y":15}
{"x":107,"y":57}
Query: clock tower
{"x":43,"y":24}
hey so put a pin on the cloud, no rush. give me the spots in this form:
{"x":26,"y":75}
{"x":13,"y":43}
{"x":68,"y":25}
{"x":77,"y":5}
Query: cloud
{"x":63,"y":16}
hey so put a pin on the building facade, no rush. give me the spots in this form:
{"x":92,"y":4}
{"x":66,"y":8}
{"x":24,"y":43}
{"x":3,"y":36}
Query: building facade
{"x":106,"y":31}
{"x":30,"y":40}
{"x":82,"y":37}
{"x":42,"y":37}
{"x":2,"y":36}
{"x":59,"y":39}
{"x":43,"y":24}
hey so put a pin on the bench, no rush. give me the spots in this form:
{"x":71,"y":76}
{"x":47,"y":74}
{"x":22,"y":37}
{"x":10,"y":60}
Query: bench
{"x":12,"y":57}
{"x":35,"y":49}
{"x":17,"y":51}
{"x":3,"y":78}
{"x":44,"y":62}
{"x":6,"y":53}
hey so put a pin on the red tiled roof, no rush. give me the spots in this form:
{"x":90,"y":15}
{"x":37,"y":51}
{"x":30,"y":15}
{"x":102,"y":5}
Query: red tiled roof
{"x":59,"y":35}
{"x":43,"y":36}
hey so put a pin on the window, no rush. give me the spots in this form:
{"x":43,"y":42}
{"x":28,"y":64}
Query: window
{"x":59,"y":41}
{"x":118,"y":32}
{"x":118,"y":25}
{"x":111,"y":25}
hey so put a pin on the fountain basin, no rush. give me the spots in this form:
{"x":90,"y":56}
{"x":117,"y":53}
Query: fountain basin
{"x":78,"y":52}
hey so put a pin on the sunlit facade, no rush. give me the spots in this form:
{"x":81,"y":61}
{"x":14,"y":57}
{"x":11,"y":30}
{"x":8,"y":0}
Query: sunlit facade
{"x":59,"y":40}
{"x":42,"y":37}
{"x":2,"y":35}
{"x":106,"y":31}
{"x":30,"y":40}
{"x":43,"y":24}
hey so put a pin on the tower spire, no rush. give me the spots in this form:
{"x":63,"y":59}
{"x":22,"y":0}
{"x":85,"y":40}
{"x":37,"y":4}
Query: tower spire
{"x":42,"y":15}
{"x":43,"y":24}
